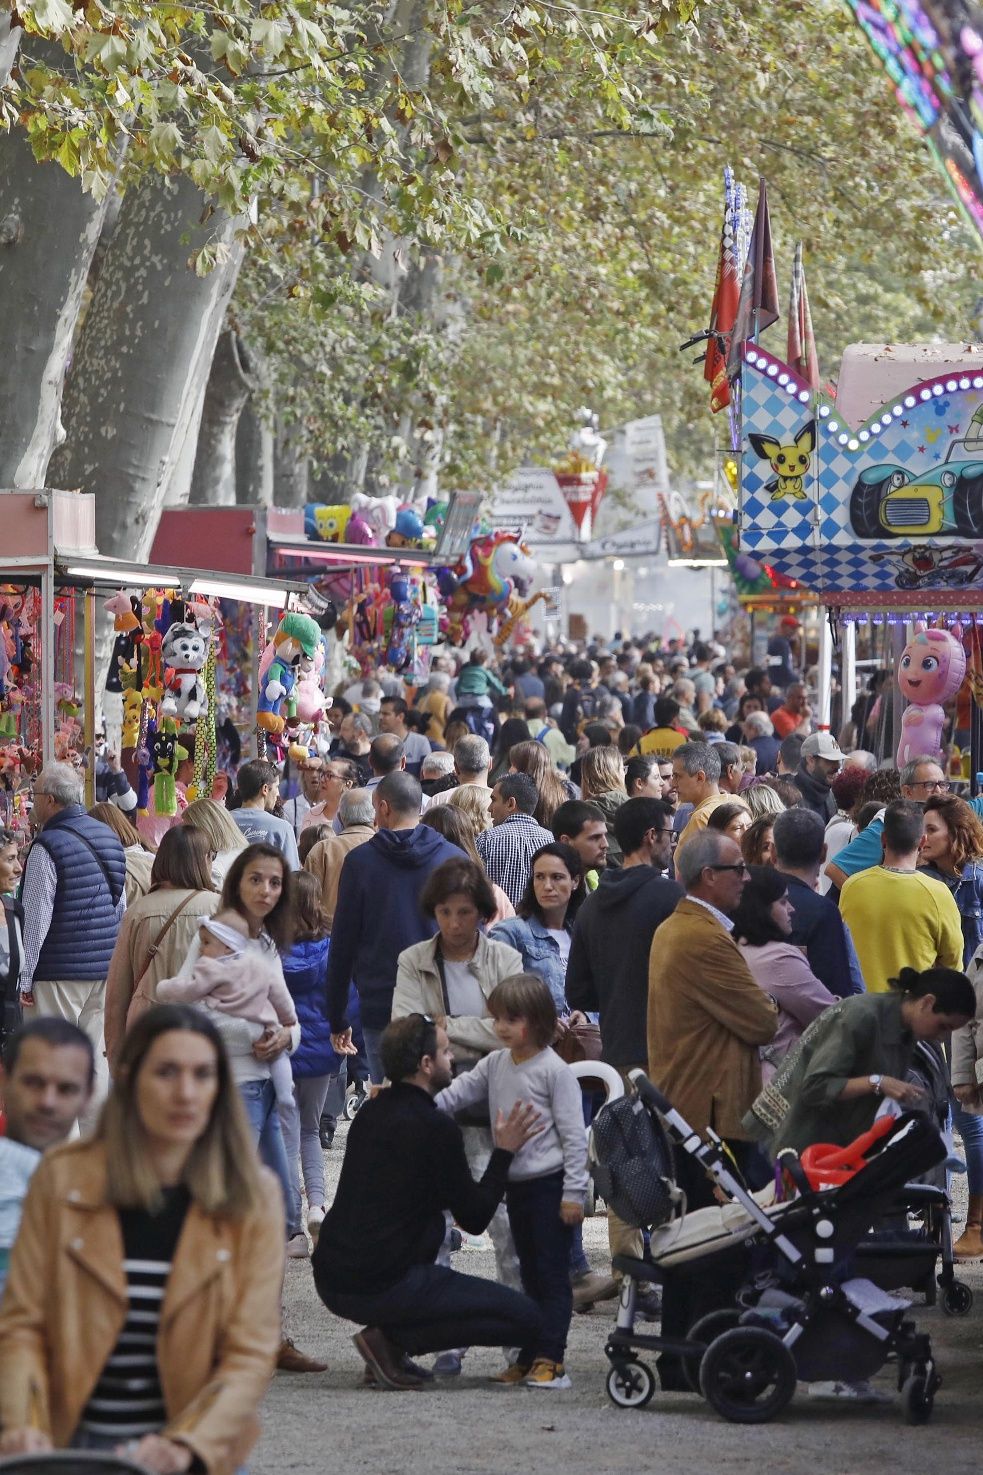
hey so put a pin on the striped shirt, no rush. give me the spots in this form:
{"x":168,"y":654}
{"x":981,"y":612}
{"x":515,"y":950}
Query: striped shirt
{"x":128,"y":1401}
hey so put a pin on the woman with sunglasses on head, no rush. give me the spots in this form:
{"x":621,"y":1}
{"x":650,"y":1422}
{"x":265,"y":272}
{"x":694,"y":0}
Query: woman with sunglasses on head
{"x":142,"y":1308}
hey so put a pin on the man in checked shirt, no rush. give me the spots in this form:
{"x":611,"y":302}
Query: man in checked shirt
{"x":73,"y":895}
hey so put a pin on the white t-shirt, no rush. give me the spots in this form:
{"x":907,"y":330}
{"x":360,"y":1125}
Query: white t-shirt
{"x":464,"y":996}
{"x":561,"y":937}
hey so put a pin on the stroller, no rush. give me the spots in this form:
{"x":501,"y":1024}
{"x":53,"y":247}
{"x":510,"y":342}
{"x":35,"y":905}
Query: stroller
{"x":799,"y":1311}
{"x":898,"y":1252}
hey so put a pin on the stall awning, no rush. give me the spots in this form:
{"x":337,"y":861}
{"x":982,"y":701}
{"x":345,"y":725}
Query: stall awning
{"x":96,"y":572}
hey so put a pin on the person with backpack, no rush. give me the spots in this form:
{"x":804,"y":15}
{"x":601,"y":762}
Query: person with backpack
{"x":580,"y":702}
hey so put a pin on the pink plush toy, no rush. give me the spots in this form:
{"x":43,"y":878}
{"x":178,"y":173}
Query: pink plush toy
{"x":930,"y":672}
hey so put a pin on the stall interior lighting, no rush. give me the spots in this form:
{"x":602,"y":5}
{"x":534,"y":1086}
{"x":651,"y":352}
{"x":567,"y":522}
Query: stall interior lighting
{"x":273,"y":595}
{"x":697,"y":562}
{"x":103,"y":573}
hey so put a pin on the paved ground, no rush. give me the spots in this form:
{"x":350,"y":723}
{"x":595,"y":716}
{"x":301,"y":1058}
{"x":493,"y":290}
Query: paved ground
{"x":466,"y":1426}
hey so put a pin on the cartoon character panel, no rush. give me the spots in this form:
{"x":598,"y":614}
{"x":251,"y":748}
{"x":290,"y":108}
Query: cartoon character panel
{"x":867,"y":507}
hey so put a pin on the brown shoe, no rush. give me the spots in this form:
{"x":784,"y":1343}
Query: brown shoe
{"x":384,"y":1360}
{"x":290,"y":1359}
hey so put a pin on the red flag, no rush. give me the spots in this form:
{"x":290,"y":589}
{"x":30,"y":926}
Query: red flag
{"x":801,"y":355}
{"x":758,"y":305}
{"x":722,"y":314}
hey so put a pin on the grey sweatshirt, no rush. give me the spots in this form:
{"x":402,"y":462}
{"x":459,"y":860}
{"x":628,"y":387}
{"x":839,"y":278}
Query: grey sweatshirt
{"x":551,"y":1087}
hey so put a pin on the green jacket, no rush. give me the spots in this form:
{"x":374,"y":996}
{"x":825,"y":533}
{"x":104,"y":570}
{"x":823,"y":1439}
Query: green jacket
{"x":862,"y":1035}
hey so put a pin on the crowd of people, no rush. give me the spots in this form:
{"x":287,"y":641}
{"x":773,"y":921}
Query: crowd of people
{"x":639,"y":853}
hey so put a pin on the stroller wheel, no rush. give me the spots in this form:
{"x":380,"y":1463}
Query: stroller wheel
{"x":352,"y":1103}
{"x":630,"y":1384}
{"x":917,"y":1399}
{"x":709,"y":1326}
{"x":748,"y":1375}
{"x":957,"y":1299}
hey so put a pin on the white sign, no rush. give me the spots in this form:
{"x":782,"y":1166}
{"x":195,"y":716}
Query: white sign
{"x":533,"y":500}
{"x":645,"y":538}
{"x":648,"y":468}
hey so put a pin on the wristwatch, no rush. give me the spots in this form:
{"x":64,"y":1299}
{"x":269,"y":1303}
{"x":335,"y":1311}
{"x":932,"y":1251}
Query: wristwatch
{"x":875,"y":1082}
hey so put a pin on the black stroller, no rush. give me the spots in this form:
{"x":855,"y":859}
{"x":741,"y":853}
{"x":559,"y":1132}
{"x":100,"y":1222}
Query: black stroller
{"x":799,"y":1310}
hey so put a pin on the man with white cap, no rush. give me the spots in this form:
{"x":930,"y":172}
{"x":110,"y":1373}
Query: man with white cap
{"x":819,"y":758}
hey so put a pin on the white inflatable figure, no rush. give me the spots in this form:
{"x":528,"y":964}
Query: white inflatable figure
{"x":587,"y":442}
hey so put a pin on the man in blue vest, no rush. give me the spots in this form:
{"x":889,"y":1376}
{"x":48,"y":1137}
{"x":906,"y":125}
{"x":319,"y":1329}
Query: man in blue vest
{"x":73,"y":894}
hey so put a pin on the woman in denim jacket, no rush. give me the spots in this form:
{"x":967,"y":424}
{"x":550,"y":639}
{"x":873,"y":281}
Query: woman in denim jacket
{"x":541,"y":930}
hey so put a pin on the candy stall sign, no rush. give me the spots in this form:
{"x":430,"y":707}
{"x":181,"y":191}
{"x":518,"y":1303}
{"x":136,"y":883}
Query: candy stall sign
{"x":532,"y":499}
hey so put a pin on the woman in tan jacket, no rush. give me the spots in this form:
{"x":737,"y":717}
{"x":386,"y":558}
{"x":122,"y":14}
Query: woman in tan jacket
{"x":142,"y":1311}
{"x":157,"y":931}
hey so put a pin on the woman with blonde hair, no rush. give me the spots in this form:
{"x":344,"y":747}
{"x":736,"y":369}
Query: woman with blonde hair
{"x":139,"y":856}
{"x":602,"y":782}
{"x":142,"y":1311}
{"x":157,"y":931}
{"x":761,"y":799}
{"x":455,"y":824}
{"x":225,"y":839}
{"x":471,"y":800}
{"x":534,"y":759}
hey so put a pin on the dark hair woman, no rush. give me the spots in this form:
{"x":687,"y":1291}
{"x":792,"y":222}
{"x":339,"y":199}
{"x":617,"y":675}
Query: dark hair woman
{"x":758,"y":841}
{"x":513,"y":731}
{"x":142,"y":1307}
{"x":762,"y":928}
{"x":158,"y":930}
{"x":851,"y":1057}
{"x":541,"y":930}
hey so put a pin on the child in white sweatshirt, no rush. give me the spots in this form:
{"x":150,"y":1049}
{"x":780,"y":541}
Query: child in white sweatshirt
{"x":548,"y":1177}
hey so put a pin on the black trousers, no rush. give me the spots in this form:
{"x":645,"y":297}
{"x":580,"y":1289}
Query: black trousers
{"x":433,"y":1308}
{"x":542,"y":1243}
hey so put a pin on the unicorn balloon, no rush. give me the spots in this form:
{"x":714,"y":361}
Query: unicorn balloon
{"x":930,"y":672}
{"x":495,"y":567}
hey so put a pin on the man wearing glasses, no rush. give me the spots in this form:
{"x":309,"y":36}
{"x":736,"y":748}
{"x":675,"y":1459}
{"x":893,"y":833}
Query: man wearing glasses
{"x":707,"y":1019}
{"x":920,"y":779}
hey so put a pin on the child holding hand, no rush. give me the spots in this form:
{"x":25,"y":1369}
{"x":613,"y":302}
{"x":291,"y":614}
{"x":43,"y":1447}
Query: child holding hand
{"x":548,"y":1177}
{"x":232,"y":976}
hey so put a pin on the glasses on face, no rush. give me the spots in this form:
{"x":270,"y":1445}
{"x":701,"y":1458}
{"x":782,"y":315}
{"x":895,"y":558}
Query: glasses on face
{"x":936,"y":785}
{"x":741,"y":867}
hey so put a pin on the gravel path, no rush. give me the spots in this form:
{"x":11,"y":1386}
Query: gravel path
{"x":328,"y":1421}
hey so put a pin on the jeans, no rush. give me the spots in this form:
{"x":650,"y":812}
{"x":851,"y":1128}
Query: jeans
{"x":969,"y":1125}
{"x":259,"y":1099}
{"x":373,"y":1054}
{"x":300,"y":1124}
{"x":433,"y":1308}
{"x":542,"y":1242}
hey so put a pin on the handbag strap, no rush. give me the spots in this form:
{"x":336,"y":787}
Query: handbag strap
{"x":155,"y":945}
{"x":439,"y":960}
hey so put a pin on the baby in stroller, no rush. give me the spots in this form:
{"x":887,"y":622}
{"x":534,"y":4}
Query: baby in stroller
{"x":800,"y":1311}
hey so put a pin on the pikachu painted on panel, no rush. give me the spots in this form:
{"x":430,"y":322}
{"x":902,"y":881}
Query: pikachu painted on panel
{"x":789,"y":463}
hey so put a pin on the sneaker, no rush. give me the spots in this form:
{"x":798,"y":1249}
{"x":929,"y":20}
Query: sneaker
{"x":547,"y":1374}
{"x":314,"y":1221}
{"x":290,"y":1359}
{"x":860,"y":1391}
{"x":516,"y":1372}
{"x":449,"y":1364}
{"x":297,"y":1246}
{"x":648,"y":1303}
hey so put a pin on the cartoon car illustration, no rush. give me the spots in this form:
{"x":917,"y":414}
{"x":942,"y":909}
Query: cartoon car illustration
{"x":921,"y":567}
{"x":887,"y":503}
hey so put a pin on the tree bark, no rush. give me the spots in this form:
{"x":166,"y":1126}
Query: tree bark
{"x":143,"y":359}
{"x":291,"y":468}
{"x":49,"y":230}
{"x":254,"y":457}
{"x":230,"y":384}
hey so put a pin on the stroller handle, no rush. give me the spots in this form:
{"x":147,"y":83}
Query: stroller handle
{"x":650,"y":1094}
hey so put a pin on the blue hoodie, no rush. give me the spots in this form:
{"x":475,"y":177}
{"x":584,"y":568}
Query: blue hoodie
{"x":378,"y":915}
{"x":304,"y":969}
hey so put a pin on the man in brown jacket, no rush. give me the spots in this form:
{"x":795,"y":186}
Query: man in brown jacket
{"x":706,"y":1020}
{"x":706,"y":1015}
{"x":327,"y":856}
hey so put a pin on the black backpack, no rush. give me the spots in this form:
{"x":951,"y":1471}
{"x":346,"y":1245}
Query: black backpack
{"x":631,"y":1163}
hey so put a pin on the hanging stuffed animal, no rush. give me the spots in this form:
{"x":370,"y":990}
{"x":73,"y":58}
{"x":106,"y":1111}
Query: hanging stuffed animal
{"x":296,"y":636}
{"x":166,"y":754}
{"x":132,"y":704}
{"x":184,"y":650}
{"x":930,"y":672}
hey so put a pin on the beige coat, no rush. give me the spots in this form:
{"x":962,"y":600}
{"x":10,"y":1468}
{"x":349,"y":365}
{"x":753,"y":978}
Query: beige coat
{"x":66,"y":1303}
{"x":967,"y":1042}
{"x":141,"y":926}
{"x":419,"y":991}
{"x":139,"y":864}
{"x":326,"y":859}
{"x":706,"y":1019}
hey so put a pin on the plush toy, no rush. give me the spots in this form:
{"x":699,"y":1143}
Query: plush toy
{"x":132,"y":704}
{"x":166,"y":754}
{"x":184,"y":650}
{"x":399,"y":619}
{"x":297,"y":636}
{"x":930,"y":672}
{"x":379,"y":513}
{"x":407,"y":531}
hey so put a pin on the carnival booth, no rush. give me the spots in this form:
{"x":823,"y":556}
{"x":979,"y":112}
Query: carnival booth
{"x":874,"y":501}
